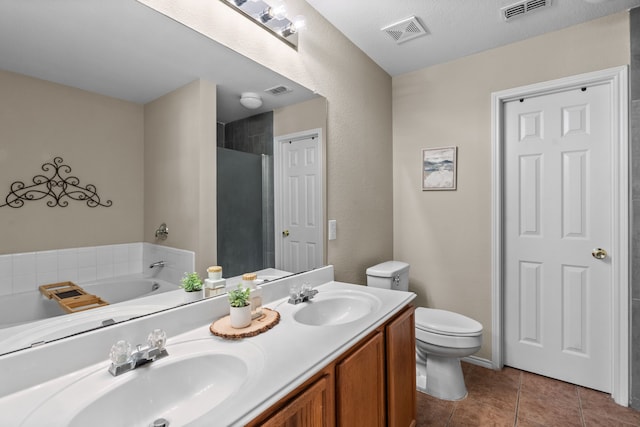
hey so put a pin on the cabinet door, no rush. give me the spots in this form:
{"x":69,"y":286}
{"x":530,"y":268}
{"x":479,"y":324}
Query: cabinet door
{"x":401,"y":370}
{"x":311,"y":408}
{"x":360,"y":385}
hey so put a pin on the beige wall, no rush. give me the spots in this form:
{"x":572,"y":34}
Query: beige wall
{"x":358,"y":93}
{"x":100,"y":138}
{"x":300,"y":117}
{"x":180,"y":170}
{"x":446,"y":235}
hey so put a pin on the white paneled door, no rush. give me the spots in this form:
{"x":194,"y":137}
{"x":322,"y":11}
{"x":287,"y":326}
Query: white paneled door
{"x":557,"y":235}
{"x":301,"y":203}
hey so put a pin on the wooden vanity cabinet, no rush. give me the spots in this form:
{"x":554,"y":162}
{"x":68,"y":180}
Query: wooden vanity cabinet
{"x":360,"y":385}
{"x":311,"y":407}
{"x":400,"y":334}
{"x":373,"y":384}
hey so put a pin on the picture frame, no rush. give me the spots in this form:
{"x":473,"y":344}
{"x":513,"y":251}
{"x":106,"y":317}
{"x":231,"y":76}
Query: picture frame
{"x":439,"y":168}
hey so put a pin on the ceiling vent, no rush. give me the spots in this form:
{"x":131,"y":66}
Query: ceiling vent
{"x":521,"y":8}
{"x":405,"y":30}
{"x":279,"y":90}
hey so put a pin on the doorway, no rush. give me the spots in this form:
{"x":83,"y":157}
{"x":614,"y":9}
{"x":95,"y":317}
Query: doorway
{"x":299,"y":219}
{"x":560,"y":309}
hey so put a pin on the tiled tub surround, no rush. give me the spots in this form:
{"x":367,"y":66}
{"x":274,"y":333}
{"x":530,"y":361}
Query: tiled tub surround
{"x":24,"y":272}
{"x":293,"y":353}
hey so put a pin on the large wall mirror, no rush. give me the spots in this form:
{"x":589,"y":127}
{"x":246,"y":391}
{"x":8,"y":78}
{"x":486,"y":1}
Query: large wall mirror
{"x":87,"y":81}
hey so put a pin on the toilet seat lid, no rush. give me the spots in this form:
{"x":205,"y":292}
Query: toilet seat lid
{"x":445,"y":322}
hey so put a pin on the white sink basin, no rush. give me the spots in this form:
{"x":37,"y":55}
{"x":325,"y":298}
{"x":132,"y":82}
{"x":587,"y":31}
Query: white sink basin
{"x":192,"y":380}
{"x":336,"y":308}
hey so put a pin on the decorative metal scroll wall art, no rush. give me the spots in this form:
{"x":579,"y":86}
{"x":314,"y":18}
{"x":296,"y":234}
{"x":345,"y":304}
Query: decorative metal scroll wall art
{"x":57,"y":187}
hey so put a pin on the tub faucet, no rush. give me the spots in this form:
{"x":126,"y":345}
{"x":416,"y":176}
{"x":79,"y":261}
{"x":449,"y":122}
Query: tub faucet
{"x":124,"y":360}
{"x":157,"y":264}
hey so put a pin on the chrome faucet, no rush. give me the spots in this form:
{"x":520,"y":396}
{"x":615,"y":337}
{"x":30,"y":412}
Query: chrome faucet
{"x":303,"y":294}
{"x":157,"y":264}
{"x":124,"y":360}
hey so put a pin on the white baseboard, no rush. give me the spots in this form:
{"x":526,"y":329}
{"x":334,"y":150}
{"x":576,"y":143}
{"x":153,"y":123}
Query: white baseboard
{"x":479,"y":361}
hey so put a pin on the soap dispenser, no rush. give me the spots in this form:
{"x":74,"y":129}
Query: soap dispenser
{"x":255,"y":297}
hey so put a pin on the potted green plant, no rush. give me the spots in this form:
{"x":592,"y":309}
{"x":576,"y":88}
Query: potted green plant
{"x":192,"y":284}
{"x":240,"y":311}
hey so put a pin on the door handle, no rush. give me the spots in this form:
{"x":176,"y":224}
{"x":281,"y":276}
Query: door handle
{"x":285,"y":233}
{"x":599,"y":253}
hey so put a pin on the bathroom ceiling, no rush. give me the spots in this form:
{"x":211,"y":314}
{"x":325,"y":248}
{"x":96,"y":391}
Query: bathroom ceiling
{"x":455,"y":28}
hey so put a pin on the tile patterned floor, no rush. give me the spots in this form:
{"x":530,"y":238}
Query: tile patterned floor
{"x":516,"y":398}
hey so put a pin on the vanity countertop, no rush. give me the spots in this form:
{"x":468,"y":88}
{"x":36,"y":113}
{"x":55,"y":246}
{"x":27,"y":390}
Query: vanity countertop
{"x":295,"y":352}
{"x":291,"y":353}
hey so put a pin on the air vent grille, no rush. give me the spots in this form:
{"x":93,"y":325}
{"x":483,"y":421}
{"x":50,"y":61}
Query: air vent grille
{"x":405,"y":30}
{"x":522,"y":8}
{"x":278,"y":90}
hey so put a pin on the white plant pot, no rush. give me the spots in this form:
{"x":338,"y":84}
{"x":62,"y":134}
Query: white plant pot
{"x":240,"y":316}
{"x":192,"y":296}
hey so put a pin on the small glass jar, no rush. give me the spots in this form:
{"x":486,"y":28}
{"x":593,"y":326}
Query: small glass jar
{"x":249,"y":280}
{"x":214,"y":285}
{"x":215,"y":272}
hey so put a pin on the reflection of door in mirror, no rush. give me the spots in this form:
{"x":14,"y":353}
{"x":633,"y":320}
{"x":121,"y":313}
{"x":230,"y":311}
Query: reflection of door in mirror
{"x":245,"y":195}
{"x":299,"y":201}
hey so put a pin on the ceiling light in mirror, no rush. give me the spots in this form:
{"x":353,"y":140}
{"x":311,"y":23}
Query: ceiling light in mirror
{"x":251,"y":100}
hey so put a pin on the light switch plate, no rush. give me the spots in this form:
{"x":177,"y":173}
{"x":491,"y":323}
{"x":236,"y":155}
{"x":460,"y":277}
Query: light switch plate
{"x":332,"y":229}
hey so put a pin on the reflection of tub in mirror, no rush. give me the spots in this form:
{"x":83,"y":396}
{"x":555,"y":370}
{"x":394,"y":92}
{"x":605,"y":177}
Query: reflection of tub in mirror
{"x":30,"y":318}
{"x":118,"y":290}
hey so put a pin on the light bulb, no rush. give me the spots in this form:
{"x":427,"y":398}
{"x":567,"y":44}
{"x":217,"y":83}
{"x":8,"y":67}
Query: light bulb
{"x":278,"y":9}
{"x":299,"y":23}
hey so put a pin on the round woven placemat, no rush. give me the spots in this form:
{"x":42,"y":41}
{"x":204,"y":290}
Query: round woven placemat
{"x":222,"y":327}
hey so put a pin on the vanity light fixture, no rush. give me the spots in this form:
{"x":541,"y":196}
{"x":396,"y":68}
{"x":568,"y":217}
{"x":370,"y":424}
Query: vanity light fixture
{"x":250,"y":100}
{"x":272,"y":16}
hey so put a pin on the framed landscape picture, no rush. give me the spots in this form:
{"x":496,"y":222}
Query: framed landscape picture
{"x":439,"y":168}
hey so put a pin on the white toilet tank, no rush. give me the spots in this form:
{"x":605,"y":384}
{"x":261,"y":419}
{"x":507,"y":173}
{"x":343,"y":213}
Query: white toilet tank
{"x":389,"y":275}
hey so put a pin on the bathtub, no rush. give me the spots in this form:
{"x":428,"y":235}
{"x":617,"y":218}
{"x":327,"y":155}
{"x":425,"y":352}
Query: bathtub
{"x":25,"y":307}
{"x":29,"y":318}
{"x":117,"y":290}
{"x":41,"y":331}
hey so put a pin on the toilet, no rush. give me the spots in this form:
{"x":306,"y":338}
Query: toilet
{"x":442,"y":337}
